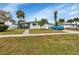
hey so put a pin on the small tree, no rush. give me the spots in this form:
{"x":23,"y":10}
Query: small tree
{"x":76,"y":20}
{"x":70,"y":21}
{"x":42,"y":22}
{"x":61,"y":21}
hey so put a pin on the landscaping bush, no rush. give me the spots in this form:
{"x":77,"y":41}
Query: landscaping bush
{"x":3,"y":27}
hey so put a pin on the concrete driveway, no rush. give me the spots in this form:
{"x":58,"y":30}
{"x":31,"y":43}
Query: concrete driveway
{"x":26,"y":32}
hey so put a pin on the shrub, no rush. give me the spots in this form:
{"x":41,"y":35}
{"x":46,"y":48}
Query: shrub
{"x":3,"y":27}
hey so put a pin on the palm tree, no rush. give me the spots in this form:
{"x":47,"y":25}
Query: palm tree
{"x":20,"y":14}
{"x":55,"y":17}
{"x":61,"y":21}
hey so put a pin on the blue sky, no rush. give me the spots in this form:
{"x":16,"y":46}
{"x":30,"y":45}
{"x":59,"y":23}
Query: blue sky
{"x":42,"y":10}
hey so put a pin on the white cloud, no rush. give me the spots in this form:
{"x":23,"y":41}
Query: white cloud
{"x":11,"y":7}
{"x":46,"y":13}
{"x":73,"y":7}
{"x":73,"y":12}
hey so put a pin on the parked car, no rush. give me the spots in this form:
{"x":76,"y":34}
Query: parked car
{"x":57,"y":27}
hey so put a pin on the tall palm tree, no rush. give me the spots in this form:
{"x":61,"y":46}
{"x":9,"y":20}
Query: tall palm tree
{"x":20,"y":14}
{"x":55,"y":18}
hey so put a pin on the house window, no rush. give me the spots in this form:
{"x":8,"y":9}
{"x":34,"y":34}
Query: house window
{"x":34,"y":24}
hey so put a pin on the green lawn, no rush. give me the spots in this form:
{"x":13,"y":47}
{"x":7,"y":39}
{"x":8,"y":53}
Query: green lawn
{"x":12,"y":31}
{"x":54,"y":44}
{"x":74,"y":29}
{"x":37,"y":31}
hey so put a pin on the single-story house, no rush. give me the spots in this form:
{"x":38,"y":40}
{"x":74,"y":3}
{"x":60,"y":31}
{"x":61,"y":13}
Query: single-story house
{"x":71,"y":25}
{"x":35,"y":25}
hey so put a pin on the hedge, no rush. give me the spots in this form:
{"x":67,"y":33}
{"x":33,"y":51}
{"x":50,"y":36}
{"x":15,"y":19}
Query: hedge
{"x":3,"y":27}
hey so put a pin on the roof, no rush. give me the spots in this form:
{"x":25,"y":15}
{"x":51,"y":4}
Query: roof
{"x":21,"y":21}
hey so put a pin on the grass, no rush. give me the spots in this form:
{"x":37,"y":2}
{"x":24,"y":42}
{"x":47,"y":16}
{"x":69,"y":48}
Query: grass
{"x":12,"y":31}
{"x":37,"y":31}
{"x":74,"y":29}
{"x":41,"y":45}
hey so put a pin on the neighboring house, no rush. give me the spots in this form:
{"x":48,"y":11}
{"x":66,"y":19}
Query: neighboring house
{"x":26,"y":26}
{"x":4,"y":19}
{"x":71,"y":25}
{"x":50,"y":25}
{"x":21,"y":24}
{"x":35,"y":25}
{"x":10,"y":24}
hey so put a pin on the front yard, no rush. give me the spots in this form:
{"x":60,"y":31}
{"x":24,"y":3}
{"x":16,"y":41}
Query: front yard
{"x":74,"y":29}
{"x":37,"y":31}
{"x":54,"y":44}
{"x":12,"y":31}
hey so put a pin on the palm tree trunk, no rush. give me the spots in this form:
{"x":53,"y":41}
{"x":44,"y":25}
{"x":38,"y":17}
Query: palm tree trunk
{"x":55,"y":18}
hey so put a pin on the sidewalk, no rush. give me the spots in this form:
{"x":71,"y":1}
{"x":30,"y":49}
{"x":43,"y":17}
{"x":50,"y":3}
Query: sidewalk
{"x":70,"y":31}
{"x":21,"y":35}
{"x":26,"y":33}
